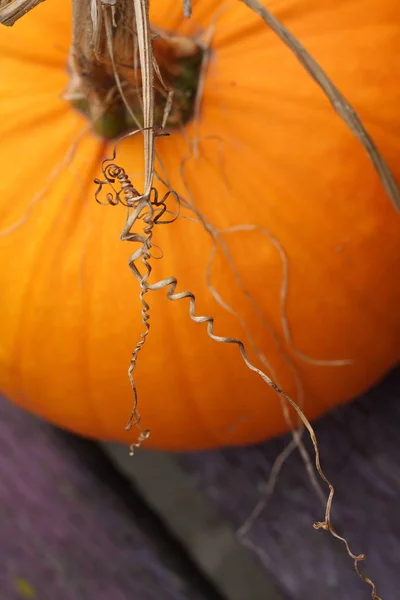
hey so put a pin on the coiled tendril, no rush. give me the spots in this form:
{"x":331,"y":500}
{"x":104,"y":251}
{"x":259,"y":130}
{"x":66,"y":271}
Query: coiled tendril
{"x":149,"y":209}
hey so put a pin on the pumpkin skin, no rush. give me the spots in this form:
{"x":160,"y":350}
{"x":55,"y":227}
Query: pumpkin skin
{"x":70,"y":314}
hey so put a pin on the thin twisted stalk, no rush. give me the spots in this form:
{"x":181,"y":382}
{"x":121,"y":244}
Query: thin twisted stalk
{"x":144,"y":209}
{"x":171,"y":283}
{"x":12,"y":10}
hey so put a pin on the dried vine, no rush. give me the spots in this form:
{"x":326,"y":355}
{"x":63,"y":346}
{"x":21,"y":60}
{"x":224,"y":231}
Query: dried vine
{"x":12,"y":10}
{"x":149,"y":209}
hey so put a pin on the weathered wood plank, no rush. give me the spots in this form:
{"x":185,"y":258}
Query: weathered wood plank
{"x":210,"y":541}
{"x":360,"y":446}
{"x":70,"y":528}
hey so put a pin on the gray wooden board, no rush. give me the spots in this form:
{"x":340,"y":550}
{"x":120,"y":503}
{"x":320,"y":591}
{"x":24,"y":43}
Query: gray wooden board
{"x":71,"y":530}
{"x":203,"y":498}
{"x":209,"y":540}
{"x":360,"y":447}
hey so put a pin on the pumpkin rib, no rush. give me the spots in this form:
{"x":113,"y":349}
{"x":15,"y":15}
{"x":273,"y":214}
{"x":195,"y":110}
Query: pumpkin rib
{"x":286,"y":358}
{"x":35,"y":120}
{"x":279,"y":349}
{"x":37,"y":197}
{"x":40,"y":37}
{"x":52,"y":64}
{"x":35,"y":218}
{"x":19,"y":96}
{"x":284,"y":318}
{"x":267,"y":324}
{"x":335,"y":272}
{"x":306,"y":246}
{"x":92,"y":407}
{"x":41,"y":251}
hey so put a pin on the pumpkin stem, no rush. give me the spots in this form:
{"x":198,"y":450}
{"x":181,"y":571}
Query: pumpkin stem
{"x":105,"y":77}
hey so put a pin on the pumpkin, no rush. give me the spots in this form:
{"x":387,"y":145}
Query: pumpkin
{"x":291,"y":190}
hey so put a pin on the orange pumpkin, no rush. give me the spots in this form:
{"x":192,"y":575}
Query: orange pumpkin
{"x":272,"y":154}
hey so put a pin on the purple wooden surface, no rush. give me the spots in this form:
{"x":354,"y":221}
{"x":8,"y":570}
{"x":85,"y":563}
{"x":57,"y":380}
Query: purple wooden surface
{"x":360,"y":446}
{"x":64,"y":533}
{"x":71,"y":535}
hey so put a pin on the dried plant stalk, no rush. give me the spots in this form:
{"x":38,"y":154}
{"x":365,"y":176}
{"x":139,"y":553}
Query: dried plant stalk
{"x":149,"y":210}
{"x":187,"y":8}
{"x":146,"y":67}
{"x":12,"y":10}
{"x":101,"y":61}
